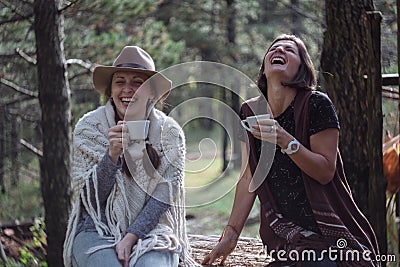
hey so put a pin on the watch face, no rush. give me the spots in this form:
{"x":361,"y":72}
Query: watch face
{"x":294,"y":146}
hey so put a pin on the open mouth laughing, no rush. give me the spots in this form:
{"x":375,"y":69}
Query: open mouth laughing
{"x":279,"y":60}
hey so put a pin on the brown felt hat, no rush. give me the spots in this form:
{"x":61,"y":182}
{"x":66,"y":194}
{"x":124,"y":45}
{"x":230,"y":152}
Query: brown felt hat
{"x":135,"y":59}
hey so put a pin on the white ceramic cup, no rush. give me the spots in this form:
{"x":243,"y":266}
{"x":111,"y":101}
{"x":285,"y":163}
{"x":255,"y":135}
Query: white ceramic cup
{"x":138,"y":130}
{"x":251,"y":121}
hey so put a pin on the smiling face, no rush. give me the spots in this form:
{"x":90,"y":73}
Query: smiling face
{"x":282,"y":59}
{"x":125,"y":92}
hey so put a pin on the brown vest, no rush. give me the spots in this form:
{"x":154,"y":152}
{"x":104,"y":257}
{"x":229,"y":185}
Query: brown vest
{"x":333,"y":206}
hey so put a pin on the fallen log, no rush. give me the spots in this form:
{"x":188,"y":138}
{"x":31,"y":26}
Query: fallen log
{"x":248,"y":251}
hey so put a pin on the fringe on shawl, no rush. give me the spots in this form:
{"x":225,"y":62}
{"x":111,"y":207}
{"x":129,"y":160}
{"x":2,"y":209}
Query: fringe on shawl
{"x":174,"y":240}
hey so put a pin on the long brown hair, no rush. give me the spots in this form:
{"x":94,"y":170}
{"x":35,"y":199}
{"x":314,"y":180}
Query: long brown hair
{"x":151,"y":161}
{"x":306,"y":77}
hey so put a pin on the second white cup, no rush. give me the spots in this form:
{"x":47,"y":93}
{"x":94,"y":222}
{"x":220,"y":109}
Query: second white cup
{"x":251,"y":121}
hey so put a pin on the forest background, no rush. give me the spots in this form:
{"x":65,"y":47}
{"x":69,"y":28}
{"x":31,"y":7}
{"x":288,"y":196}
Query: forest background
{"x":38,"y":112}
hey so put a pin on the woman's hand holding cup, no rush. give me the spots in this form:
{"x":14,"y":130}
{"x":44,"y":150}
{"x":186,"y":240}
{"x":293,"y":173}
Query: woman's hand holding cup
{"x":118,"y":138}
{"x":262,"y":127}
{"x":252,"y":121}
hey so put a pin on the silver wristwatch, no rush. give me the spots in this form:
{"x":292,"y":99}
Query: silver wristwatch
{"x":292,"y":147}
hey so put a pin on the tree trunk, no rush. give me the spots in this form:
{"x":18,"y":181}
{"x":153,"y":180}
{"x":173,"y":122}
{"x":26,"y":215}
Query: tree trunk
{"x":2,"y":148}
{"x":235,"y":102}
{"x":377,"y":183}
{"x":225,"y":134}
{"x":296,"y":19}
{"x":398,"y":103}
{"x":353,"y":77}
{"x":14,"y":150}
{"x":54,"y":97}
{"x":398,"y":40}
{"x":268,"y":7}
{"x":206,"y":90}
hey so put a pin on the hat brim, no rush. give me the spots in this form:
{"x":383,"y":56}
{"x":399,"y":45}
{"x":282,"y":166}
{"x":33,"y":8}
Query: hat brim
{"x":102,"y":76}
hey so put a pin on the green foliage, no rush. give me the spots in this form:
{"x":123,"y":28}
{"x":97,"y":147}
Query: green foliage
{"x":157,"y":41}
{"x":93,"y":34}
{"x":39,"y":234}
{"x":210,"y":219}
{"x":32,"y":255}
{"x":21,"y":203}
{"x":388,"y":33}
{"x":29,"y":254}
{"x":391,"y":118}
{"x":13,"y":263}
{"x":28,"y":259}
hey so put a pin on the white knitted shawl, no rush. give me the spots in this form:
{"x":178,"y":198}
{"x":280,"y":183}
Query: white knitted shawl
{"x":128,"y":195}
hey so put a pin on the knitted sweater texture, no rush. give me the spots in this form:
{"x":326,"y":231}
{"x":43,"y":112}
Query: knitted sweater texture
{"x":128,"y":196}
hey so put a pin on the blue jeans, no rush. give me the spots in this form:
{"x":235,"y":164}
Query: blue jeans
{"x":108,"y":258}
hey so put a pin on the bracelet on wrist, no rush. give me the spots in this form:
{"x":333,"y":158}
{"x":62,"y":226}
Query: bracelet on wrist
{"x":234,"y":230}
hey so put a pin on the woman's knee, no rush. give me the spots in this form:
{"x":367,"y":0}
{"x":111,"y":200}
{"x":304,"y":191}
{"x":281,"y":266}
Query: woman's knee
{"x":86,"y":240}
{"x":158,"y":258}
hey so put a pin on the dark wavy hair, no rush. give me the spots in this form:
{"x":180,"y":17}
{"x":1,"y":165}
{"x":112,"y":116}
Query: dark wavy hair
{"x":306,"y":77}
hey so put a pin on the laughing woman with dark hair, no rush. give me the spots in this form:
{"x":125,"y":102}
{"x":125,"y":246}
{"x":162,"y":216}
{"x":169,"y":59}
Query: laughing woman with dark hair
{"x":306,"y":203}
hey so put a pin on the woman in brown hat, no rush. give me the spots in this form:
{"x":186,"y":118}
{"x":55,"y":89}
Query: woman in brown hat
{"x":128,"y":210}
